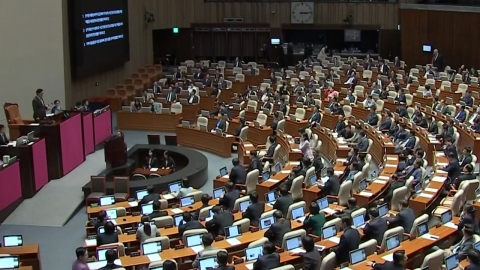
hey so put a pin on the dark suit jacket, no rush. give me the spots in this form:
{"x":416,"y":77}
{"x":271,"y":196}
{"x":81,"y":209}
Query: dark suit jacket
{"x":283,"y":108}
{"x":388,"y":266}
{"x":255,"y":163}
{"x":238,"y":175}
{"x":450,"y":148}
{"x":217,"y":225}
{"x":463,"y":177}
{"x":171,"y":97}
{"x":191,"y":225}
{"x":433,"y":128}
{"x":473,"y":267}
{"x":238,"y":130}
{"x":332,"y":186}
{"x":221,"y":124}
{"x":274,"y":124}
{"x":410,"y":143}
{"x":315,"y":118}
{"x":391,"y":188}
{"x":312,"y":260}
{"x":350,"y":240}
{"x":340,"y":126}
{"x":278,"y":229}
{"x":270,"y":150}
{"x":372,"y":119}
{"x":168,"y":163}
{"x":460,"y":116}
{"x":156,"y":214}
{"x":375,"y":229}
{"x":153,"y":163}
{"x":466,"y":160}
{"x":267,"y":262}
{"x":228,"y":200}
{"x":467,"y":219}
{"x":3,"y":139}
{"x":363,"y":145}
{"x":39,"y":109}
{"x":149,"y":197}
{"x":386,"y":125}
{"x":438,"y":63}
{"x":194,"y":101}
{"x":282,"y":203}
{"x":405,"y":219}
{"x":110,"y":266}
{"x":253,"y":212}
{"x":453,"y":169}
{"x":103,"y":239}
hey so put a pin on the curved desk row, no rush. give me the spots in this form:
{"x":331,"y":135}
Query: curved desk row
{"x":147,"y":121}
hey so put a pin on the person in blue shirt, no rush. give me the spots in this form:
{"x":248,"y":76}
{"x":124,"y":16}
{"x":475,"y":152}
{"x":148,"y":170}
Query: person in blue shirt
{"x":414,"y":171}
{"x":461,"y":114}
{"x":467,"y":98}
{"x":353,"y":170}
{"x":402,"y":134}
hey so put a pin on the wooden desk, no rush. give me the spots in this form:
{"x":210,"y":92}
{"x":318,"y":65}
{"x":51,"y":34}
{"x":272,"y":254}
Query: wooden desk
{"x":29,"y":255}
{"x":147,"y":171}
{"x":190,"y":112}
{"x":205,"y":140}
{"x":147,"y":121}
{"x":312,"y":193}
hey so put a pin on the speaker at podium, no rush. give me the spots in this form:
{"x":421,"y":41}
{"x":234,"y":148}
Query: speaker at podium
{"x":115,"y":151}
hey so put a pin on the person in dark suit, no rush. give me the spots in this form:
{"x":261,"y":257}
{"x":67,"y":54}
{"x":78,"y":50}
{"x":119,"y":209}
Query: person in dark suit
{"x":285,"y":199}
{"x":221,"y":123}
{"x":111,"y":255}
{"x":432,"y":125}
{"x":222,"y":260}
{"x":255,"y":163}
{"x":312,"y":260}
{"x":453,"y":167}
{"x":221,"y":109}
{"x":3,"y":136}
{"x":363,"y":143}
{"x":271,"y":149}
{"x":402,"y":110}
{"x":315,"y":219}
{"x":351,"y":207}
{"x":221,"y":219}
{"x":438,"y":61}
{"x":473,"y":257}
{"x":215,"y":90}
{"x":193,"y":98}
{"x":205,"y":203}
{"x":346,"y":133}
{"x":152,"y":196}
{"x":385,"y":126}
{"x":276,"y":119}
{"x":156,"y":210}
{"x":238,"y":174}
{"x":278,"y":229}
{"x":167,"y":161}
{"x":399,"y":262}
{"x":230,"y":196}
{"x":172,"y":97}
{"x":332,"y":186}
{"x":316,"y":116}
{"x":467,"y":156}
{"x":461,"y":114}
{"x":283,"y":106}
{"x":38,"y":106}
{"x":110,"y":236}
{"x":375,"y":227}
{"x":207,"y":81}
{"x":189,"y":223}
{"x":395,"y":183}
{"x":410,"y":144}
{"x":254,"y":210}
{"x":467,"y":174}
{"x":317,"y":161}
{"x":467,"y":217}
{"x":237,"y":62}
{"x":372,"y":118}
{"x":269,"y":260}
{"x":404,"y":218}
{"x":340,"y":126}
{"x":467,"y":98}
{"x":241,"y":125}
{"x":350,"y":240}
{"x":151,"y":160}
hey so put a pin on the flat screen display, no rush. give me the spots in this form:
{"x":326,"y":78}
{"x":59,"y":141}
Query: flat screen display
{"x":275,"y":41}
{"x":427,"y":48}
{"x":352,"y":35}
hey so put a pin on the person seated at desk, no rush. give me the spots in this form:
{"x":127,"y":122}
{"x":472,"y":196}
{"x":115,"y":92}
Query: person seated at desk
{"x":369,"y":102}
{"x":110,"y":236}
{"x":375,"y":90}
{"x":254,"y":210}
{"x":356,"y":136}
{"x":468,"y":217}
{"x":407,"y":144}
{"x":172,"y":97}
{"x":316,"y":116}
{"x":285,"y":199}
{"x":81,"y":262}
{"x":238,"y":174}
{"x":335,"y":107}
{"x":221,"y":219}
{"x":151,"y":160}
{"x":56,"y":107}
{"x":151,"y":196}
{"x":401,"y":135}
{"x":419,"y":119}
{"x":427,"y":92}
{"x":269,"y":260}
{"x":350,"y":97}
{"x":137,"y":106}
{"x":467,"y":98}
{"x":167,"y":161}
{"x":241,"y":125}
{"x":449,"y":147}
{"x":185,"y":190}
{"x":101,"y":220}
{"x":154,"y":107}
{"x":276,"y":118}
{"x":205,"y":199}
{"x":315,"y":219}
{"x":404,"y":217}
{"x":402,"y":163}
{"x":362,"y":142}
{"x":317,"y":161}
{"x":193,"y":98}
{"x":351,"y":207}
{"x":350,"y":240}
{"x":222,"y":109}
{"x":461,"y":114}
{"x":461,"y":248}
{"x":177,"y":74}
{"x":278,"y":229}
{"x":221,"y":123}
{"x":402,"y":111}
{"x":473,"y":258}
{"x":255,"y":163}
{"x":354,"y":168}
{"x":231,"y":195}
{"x":399,"y":261}
{"x":3,"y":136}
{"x":267,"y":102}
{"x":188,"y":223}
{"x":331,"y":186}
{"x":432,"y":126}
{"x":271,"y":149}
{"x":415,"y":171}
{"x":146,"y":230}
{"x":375,"y":227}
{"x":157,"y":89}
{"x":207,"y":241}
{"x":385,"y":126}
{"x":401,"y":98}
{"x":395,"y":182}
{"x":453,"y":167}
{"x":340,"y":126}
{"x":310,"y":101}
{"x":466,"y":174}
{"x":156,"y":210}
{"x":346,"y":133}
{"x":207,"y":81}
{"x":372,"y":118}
{"x":169,"y":265}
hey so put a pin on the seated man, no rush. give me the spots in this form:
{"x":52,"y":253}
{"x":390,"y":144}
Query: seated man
{"x":467,"y":174}
{"x":231,"y":195}
{"x":254,"y":210}
{"x":188,"y":223}
{"x":278,"y":229}
{"x":461,"y":248}
{"x":221,"y":219}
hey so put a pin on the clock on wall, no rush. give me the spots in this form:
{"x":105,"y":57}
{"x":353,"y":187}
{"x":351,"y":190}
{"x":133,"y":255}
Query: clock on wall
{"x":303,"y":12}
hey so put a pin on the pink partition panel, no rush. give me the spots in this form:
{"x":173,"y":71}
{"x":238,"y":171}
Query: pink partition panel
{"x":40,"y":169}
{"x":10,"y":185}
{"x":72,"y":143}
{"x":103,"y":126}
{"x":88,"y":133}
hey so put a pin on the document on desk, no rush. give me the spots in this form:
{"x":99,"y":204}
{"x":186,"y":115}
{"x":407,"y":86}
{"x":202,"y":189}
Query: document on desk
{"x":343,"y":146}
{"x":233,"y":241}
{"x":388,"y":257}
{"x":248,"y":145}
{"x":49,"y":114}
{"x":35,"y":124}
{"x":430,"y":237}
{"x":366,"y":194}
{"x":197,"y":249}
{"x":14,"y":144}
{"x":272,"y":181}
{"x":438,"y":179}
{"x":249,"y":266}
{"x":30,"y":143}
{"x":154,"y":169}
{"x":338,"y":172}
{"x":154,"y":257}
{"x":133,"y":204}
{"x":389,"y":143}
{"x":425,"y":195}
{"x":383,"y":177}
{"x":168,"y":196}
{"x":439,"y":154}
{"x":442,"y":164}
{"x":392,"y":158}
{"x":390,"y":165}
{"x":226,"y":176}
{"x":294,"y":163}
{"x":334,"y":239}
{"x":301,"y":219}
{"x":329,"y":211}
{"x":90,"y":242}
{"x":433,"y":190}
{"x":381,"y":182}
{"x":451,"y":225}
{"x":177,"y":210}
{"x":286,"y":171}
{"x":228,"y":135}
{"x":341,"y":160}
{"x":296,"y":150}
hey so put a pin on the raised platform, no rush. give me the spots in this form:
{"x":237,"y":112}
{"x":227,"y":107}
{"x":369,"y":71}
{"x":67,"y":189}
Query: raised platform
{"x":192,"y":165}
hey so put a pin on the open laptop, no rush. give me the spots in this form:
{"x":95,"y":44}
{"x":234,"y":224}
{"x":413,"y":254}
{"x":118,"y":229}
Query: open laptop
{"x":177,"y":220}
{"x":223,"y":171}
{"x":207,"y":263}
{"x":244,"y":205}
{"x":266,"y":176}
{"x":392,"y":242}
{"x":252,"y":254}
{"x":278,"y":167}
{"x":101,"y":253}
{"x":383,"y":210}
{"x":323,"y":203}
{"x":218,"y":192}
{"x":313,"y":180}
{"x":271,"y":197}
{"x":363,"y":185}
{"x":422,"y":229}
{"x":329,"y":232}
{"x":147,"y":209}
{"x":106,"y":200}
{"x":359,"y":221}
{"x":357,"y":256}
{"x":187,"y":201}
{"x":101,"y":229}
{"x":174,"y":187}
{"x":293,"y":243}
{"x":233,"y":231}
{"x":9,"y":262}
{"x":446,"y":216}
{"x":194,"y":240}
{"x":418,"y":188}
{"x":111,"y":213}
{"x":298,"y":212}
{"x":139,"y":194}
{"x":266,"y":222}
{"x":451,"y":262}
{"x":152,"y":247}
{"x":12,"y":240}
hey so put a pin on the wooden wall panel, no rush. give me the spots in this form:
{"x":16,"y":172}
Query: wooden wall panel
{"x":452,"y":33}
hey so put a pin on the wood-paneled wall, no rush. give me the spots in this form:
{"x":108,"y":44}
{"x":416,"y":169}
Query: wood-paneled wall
{"x":454,"y":34}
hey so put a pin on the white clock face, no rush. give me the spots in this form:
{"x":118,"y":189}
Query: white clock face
{"x":302,"y":12}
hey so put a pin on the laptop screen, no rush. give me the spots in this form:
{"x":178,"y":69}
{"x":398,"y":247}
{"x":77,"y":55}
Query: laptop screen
{"x":298,"y":212}
{"x":101,"y":253}
{"x":323,"y":203}
{"x":12,"y":240}
{"x":357,"y":256}
{"x":107,"y":200}
{"x":451,"y":262}
{"x":418,"y":188}
{"x":9,"y":262}
{"x":266,"y":175}
{"x":112,"y":213}
{"x":383,"y":210}
{"x":177,"y":219}
{"x":313,"y":179}
{"x":278,"y":167}
{"x":223,"y":171}
{"x":251,"y":254}
{"x":233,"y":231}
{"x":156,"y":268}
{"x":293,"y":243}
{"x":477,"y":246}
{"x":358,"y":221}
{"x":187,"y":201}
{"x":271,"y":196}
{"x":101,"y":229}
{"x":151,"y":248}
{"x":363,"y":185}
{"x":392,"y":242}
{"x":422,"y":229}
{"x":446,"y":216}
{"x":174,"y":187}
{"x":266,"y":222}
{"x":329,"y":231}
{"x":244,"y":205}
{"x":218,"y":192}
{"x":208,"y":263}
{"x":147,"y":209}
{"x":141,"y":193}
{"x":194,"y":240}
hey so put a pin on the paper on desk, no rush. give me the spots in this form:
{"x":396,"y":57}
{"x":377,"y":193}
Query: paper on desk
{"x":168,"y":196}
{"x":343,"y":146}
{"x":133,"y":204}
{"x":389,"y":143}
{"x":329,"y":211}
{"x":233,"y":241}
{"x":226,"y":176}
{"x":249,"y":266}
{"x":90,"y":242}
{"x":434,"y":190}
{"x":320,"y":247}
{"x":35,"y":124}
{"x":177,"y":210}
{"x":451,"y":225}
{"x":154,"y":257}
{"x":208,"y":219}
{"x":49,"y":114}
{"x":392,"y":158}
{"x":438,"y":179}
{"x":338,"y":172}
{"x":301,"y":219}
{"x":248,"y":145}
{"x":113,"y":221}
{"x":334,"y":239}
{"x":297,"y":250}
{"x":439,"y":154}
{"x":429,"y":236}
{"x":383,"y":177}
{"x":285,"y":171}
{"x":98,"y":265}
{"x":197,"y":249}
{"x":390,"y":165}
{"x":228,"y":135}
{"x":366,"y":194}
{"x":154,"y":169}
{"x":296,"y":150}
{"x":341,"y":160}
{"x":14,"y":144}
{"x":442,"y":164}
{"x":381,"y":182}
{"x":426,"y":195}
{"x":388,"y":257}
{"x":294,"y":162}
{"x":272,"y":181}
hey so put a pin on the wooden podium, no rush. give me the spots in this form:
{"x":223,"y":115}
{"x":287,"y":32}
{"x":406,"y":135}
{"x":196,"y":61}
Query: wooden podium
{"x":115,"y":151}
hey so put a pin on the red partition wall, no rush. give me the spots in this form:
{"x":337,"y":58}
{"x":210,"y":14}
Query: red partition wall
{"x":88,"y":141}
{"x":103,"y":126}
{"x":71,"y":140}
{"x":10,"y":185}
{"x":40,"y":169}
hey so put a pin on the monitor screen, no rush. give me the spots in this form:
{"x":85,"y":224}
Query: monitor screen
{"x":446,"y":216}
{"x":266,"y":222}
{"x":187,"y":201}
{"x":141,"y":193}
{"x":111,"y":213}
{"x":427,"y":48}
{"x":329,"y":231}
{"x":352,"y":35}
{"x":177,"y":220}
{"x":174,"y":187}
{"x":363,"y":184}
{"x":107,"y":200}
{"x":251,"y":254}
{"x":244,"y":205}
{"x":278,"y":167}
{"x":101,"y":229}
{"x":323,"y":203}
{"x":392,"y":242}
{"x":233,"y":231}
{"x":218,"y":192}
{"x":275,"y":41}
{"x":266,"y":175}
{"x":358,"y":221}
{"x":223,"y":171}
{"x":194,"y":240}
{"x":293,"y":243}
{"x":418,"y":188}
{"x":9,"y":262}
{"x":298,"y":212}
{"x":271,"y":196}
{"x":422,"y":229}
{"x":147,"y":209}
{"x":12,"y":240}
{"x":208,"y":263}
{"x":151,"y":248}
{"x":451,"y":262}
{"x":102,"y":252}
{"x":313,"y":179}
{"x":357,"y":256}
{"x":383,"y":210}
